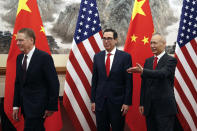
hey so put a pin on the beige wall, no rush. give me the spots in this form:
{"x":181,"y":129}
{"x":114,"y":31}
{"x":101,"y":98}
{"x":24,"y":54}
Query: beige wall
{"x":2,"y":85}
{"x":3,"y":59}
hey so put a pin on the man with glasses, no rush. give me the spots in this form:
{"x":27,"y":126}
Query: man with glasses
{"x":111,"y":92}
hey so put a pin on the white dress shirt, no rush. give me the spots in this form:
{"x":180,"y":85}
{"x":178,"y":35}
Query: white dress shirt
{"x":111,"y":56}
{"x":160,"y":55}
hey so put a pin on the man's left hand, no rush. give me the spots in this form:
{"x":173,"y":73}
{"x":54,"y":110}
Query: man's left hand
{"x":124,"y":109}
{"x":48,"y":113}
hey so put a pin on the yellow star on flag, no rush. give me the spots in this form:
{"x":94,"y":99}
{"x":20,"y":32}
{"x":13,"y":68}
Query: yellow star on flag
{"x":22,"y":5}
{"x":133,"y":38}
{"x":15,"y":35}
{"x":42,"y":29}
{"x":145,"y":40}
{"x":138,"y":8}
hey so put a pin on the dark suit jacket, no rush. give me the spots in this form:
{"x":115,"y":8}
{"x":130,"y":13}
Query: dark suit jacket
{"x":157,"y":88}
{"x":40,"y":90}
{"x":118,"y":86}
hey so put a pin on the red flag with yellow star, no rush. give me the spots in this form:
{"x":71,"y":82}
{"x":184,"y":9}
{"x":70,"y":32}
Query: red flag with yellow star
{"x":138,"y":45}
{"x":27,"y":16}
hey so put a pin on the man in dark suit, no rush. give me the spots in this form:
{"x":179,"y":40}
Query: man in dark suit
{"x":36,"y":85}
{"x":157,"y":100}
{"x":111,"y":92}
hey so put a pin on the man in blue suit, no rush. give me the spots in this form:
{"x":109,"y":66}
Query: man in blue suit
{"x":157,"y":100}
{"x":36,"y":85}
{"x":111,"y":92}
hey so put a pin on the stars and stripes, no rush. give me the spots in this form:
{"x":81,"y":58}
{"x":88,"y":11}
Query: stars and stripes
{"x":88,"y":22}
{"x":186,"y":71}
{"x":86,"y":42}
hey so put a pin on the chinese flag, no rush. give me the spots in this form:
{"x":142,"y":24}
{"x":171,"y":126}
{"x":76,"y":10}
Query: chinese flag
{"x":138,"y":45}
{"x":27,"y":16}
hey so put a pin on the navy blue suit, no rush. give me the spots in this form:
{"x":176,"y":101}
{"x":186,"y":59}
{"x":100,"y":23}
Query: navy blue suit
{"x":116,"y":89}
{"x":157,"y":92}
{"x":40,"y":89}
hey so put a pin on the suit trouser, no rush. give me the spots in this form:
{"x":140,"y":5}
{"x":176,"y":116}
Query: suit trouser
{"x":110,"y":115}
{"x":34,"y":124}
{"x":160,"y":123}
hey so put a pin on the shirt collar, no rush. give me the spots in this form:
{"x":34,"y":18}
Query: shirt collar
{"x":31,"y":52}
{"x":160,"y":55}
{"x":112,"y":52}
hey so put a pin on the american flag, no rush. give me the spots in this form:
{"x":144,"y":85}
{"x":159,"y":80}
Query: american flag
{"x":186,"y":71}
{"x":86,"y":42}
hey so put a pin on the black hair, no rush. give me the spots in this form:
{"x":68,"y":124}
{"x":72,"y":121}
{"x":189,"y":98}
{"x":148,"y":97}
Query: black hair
{"x":115,"y":34}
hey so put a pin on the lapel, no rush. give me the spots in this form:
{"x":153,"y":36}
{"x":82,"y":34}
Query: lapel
{"x":20,"y":59}
{"x":162,"y":61}
{"x":32,"y":62}
{"x":116,"y":55}
{"x":150,"y":63}
{"x":103,"y":63}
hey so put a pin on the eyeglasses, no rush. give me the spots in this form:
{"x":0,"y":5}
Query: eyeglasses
{"x":107,"y":38}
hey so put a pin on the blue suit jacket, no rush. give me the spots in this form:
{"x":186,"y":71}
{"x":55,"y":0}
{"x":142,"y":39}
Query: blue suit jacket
{"x":157,"y":88}
{"x":40,"y":90}
{"x":118,"y":86}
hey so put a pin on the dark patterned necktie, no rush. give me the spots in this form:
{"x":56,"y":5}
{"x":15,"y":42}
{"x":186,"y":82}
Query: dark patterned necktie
{"x":24,"y":66}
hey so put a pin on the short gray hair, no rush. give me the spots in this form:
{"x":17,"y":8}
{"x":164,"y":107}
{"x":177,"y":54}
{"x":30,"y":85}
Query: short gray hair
{"x":163,"y":39}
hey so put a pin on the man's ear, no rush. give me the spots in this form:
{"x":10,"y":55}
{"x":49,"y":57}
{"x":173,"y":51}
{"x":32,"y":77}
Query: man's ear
{"x":32,"y":40}
{"x":116,"y":40}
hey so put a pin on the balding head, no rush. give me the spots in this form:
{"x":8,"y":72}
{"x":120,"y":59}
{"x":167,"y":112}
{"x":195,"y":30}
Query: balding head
{"x":158,"y":44}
